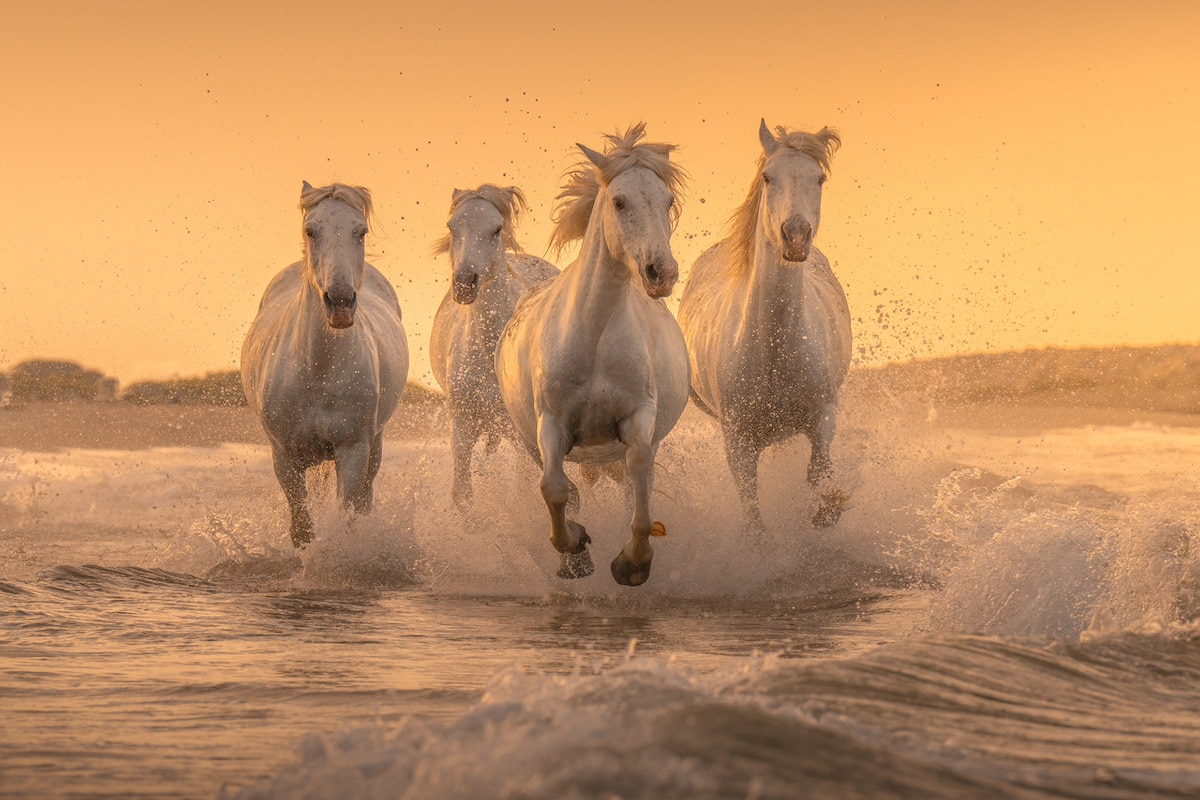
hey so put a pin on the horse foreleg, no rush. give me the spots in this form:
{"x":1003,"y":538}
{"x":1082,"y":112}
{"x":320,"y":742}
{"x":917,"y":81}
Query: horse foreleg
{"x":291,"y":477}
{"x":743,"y":453}
{"x":354,"y":476}
{"x":373,"y":463}
{"x":463,"y":438}
{"x":569,"y":538}
{"x":831,"y":501}
{"x":631,"y":567}
{"x":573,"y":502}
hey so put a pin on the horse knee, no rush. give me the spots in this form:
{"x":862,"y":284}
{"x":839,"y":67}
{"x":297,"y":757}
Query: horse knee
{"x":556,"y":490}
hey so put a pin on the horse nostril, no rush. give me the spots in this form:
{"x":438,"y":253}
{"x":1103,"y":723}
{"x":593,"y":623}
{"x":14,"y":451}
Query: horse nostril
{"x":340,"y":301}
{"x":652,"y":272}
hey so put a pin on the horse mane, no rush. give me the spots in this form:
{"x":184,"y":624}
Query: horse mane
{"x":508,"y":200}
{"x":585,"y":179}
{"x":357,"y":197}
{"x":743,"y":223}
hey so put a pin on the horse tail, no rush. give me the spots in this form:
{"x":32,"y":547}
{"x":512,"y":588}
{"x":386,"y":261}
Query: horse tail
{"x":700,"y":404}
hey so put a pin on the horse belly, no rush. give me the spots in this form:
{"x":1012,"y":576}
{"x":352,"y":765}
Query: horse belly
{"x":598,"y":454}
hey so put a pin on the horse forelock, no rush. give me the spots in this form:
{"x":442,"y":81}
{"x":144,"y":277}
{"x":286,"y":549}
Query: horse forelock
{"x":743,"y":223}
{"x":357,"y":197}
{"x":585,"y":180}
{"x":508,"y":200}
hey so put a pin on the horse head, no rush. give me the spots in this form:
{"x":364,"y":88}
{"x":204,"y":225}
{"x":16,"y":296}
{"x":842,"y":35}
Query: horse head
{"x":481,"y":232}
{"x":794,"y":168}
{"x":335,"y":230}
{"x":637,"y":208}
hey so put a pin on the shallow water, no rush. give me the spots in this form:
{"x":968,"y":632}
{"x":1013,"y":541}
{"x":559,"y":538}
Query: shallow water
{"x":998,"y":614}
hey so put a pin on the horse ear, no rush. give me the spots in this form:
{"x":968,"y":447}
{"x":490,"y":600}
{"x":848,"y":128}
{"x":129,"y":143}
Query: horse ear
{"x":769,"y":143}
{"x":305,"y":186}
{"x":457,"y":195}
{"x":592,"y":155}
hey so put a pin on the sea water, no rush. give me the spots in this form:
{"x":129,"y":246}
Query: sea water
{"x":999,"y":613}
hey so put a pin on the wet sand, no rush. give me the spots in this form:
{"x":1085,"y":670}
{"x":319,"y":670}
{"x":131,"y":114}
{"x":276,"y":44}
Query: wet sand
{"x":45,"y":427}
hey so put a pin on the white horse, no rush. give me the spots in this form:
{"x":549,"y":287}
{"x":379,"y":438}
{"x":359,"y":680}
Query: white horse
{"x":326,"y":359}
{"x":490,"y":274}
{"x":592,"y":366}
{"x":767,"y":324}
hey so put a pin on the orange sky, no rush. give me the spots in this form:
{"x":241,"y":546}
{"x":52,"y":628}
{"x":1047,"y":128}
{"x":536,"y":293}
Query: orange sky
{"x":1018,"y":176}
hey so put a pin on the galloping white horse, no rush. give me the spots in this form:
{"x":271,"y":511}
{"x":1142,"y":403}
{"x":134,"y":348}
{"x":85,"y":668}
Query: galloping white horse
{"x":326,"y":359}
{"x":490,"y":274}
{"x":592,"y":366}
{"x":766,"y":321}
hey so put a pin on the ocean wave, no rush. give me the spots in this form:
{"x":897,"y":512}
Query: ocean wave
{"x":943,"y":716}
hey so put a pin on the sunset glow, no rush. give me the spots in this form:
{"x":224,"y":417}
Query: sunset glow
{"x":1014,"y":177}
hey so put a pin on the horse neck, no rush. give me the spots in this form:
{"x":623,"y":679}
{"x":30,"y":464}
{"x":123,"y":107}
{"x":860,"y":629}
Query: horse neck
{"x":774,"y":292}
{"x":321,"y":347}
{"x":498,"y":295}
{"x":599,"y":282}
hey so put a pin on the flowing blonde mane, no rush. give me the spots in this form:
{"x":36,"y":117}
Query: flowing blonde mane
{"x":356,"y":197}
{"x":508,"y":200}
{"x":585,"y":179}
{"x":743,"y":223}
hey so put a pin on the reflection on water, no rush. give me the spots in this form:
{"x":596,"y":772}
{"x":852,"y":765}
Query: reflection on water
{"x":160,"y":637}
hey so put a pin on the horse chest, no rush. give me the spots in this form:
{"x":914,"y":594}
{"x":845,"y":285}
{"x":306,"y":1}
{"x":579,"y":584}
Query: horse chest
{"x":302,"y":412}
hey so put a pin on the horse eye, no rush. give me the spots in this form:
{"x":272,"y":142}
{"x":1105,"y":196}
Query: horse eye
{"x":821,"y":180}
{"x":619,"y":203}
{"x":311,"y":233}
{"x":766,"y":179}
{"x":495,"y":233}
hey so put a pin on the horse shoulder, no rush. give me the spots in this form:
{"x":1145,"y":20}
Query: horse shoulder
{"x":447,"y":325}
{"x":837,"y":326}
{"x":283,"y":287}
{"x":532,"y":270}
{"x":268,"y":328}
{"x":526,"y":307}
{"x":382,"y":288}
{"x":709,"y":271}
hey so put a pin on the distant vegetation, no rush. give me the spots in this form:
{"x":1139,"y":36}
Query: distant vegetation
{"x":45,"y":380}
{"x":214,"y":389}
{"x":225,"y":389}
{"x":48,"y":380}
{"x":1164,"y":378}
{"x":417,"y":395}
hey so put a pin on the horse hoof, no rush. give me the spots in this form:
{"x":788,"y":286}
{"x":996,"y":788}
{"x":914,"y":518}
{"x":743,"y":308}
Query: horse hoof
{"x":628,"y":572}
{"x":833,"y":503}
{"x":578,"y":562}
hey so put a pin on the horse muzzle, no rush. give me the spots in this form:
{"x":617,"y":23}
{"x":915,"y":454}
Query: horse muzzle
{"x":465,"y":287}
{"x":797,"y":237}
{"x":339,"y":308}
{"x":659,"y":276}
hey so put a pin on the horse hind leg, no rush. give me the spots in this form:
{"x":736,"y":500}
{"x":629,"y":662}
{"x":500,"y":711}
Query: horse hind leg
{"x":831,"y":501}
{"x":743,"y":453}
{"x":573,"y":501}
{"x":364,"y":501}
{"x":354,"y":474}
{"x":464,"y":435}
{"x":569,"y":538}
{"x":291,"y":474}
